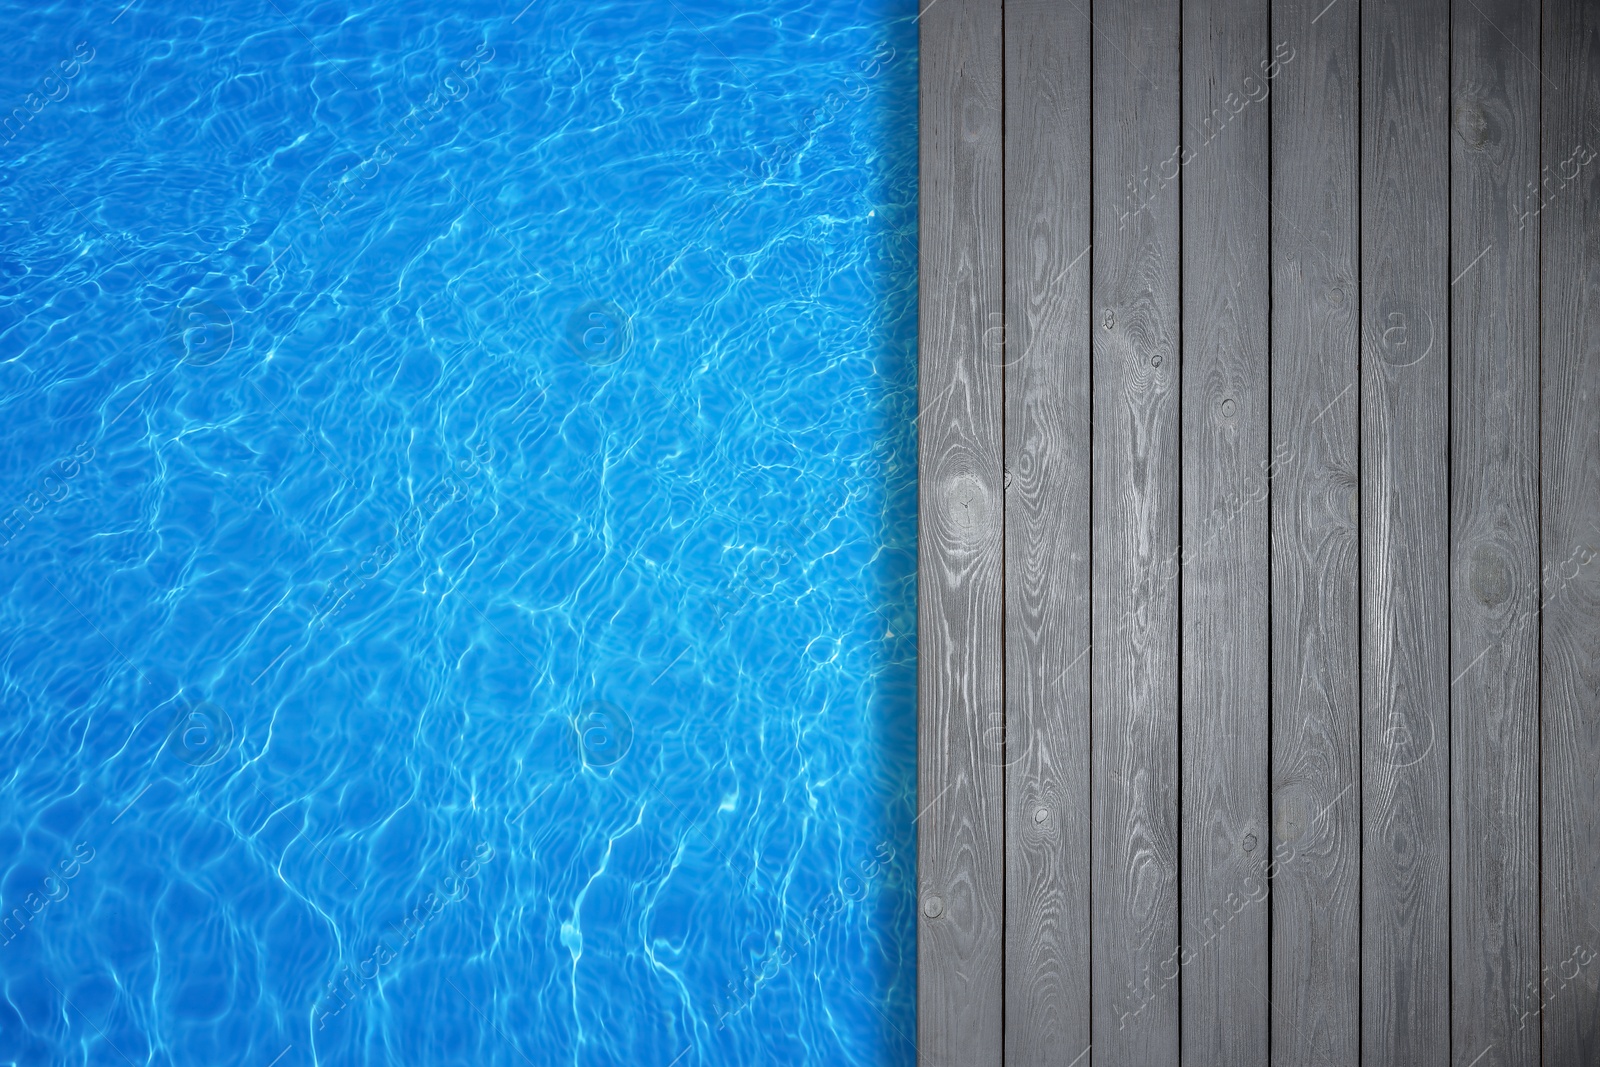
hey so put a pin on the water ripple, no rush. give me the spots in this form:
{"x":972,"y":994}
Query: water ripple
{"x":458,"y":533}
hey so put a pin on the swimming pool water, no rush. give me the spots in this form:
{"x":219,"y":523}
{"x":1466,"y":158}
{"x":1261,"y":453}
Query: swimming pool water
{"x":457,"y":532}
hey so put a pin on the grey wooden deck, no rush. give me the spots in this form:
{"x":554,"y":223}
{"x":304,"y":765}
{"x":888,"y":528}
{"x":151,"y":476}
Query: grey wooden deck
{"x":1260,"y":533}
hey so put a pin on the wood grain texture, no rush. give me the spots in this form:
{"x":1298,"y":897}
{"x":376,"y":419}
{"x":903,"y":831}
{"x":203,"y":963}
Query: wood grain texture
{"x":1135,"y":323}
{"x":1309,"y":342}
{"x":1494,"y":532}
{"x":1565,"y":208}
{"x":1225,"y":572}
{"x":960,"y":841}
{"x":1316,"y":712}
{"x":1405,"y":283}
{"x":1047,"y":532}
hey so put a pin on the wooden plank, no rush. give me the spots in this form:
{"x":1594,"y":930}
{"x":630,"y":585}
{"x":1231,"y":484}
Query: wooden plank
{"x":1225,"y":572}
{"x":1405,"y":283}
{"x":1135,"y":322}
{"x":1494,"y":532}
{"x":1314,"y":474}
{"x":1564,"y":207}
{"x":960,"y":539}
{"x":1047,"y":147}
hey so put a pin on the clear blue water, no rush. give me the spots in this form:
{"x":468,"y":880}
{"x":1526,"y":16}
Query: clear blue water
{"x":459,"y":532}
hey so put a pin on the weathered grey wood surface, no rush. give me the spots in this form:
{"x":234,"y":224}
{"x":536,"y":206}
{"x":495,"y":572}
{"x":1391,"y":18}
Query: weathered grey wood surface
{"x":1564,"y":211}
{"x":960,"y":736}
{"x":1314,"y":474}
{"x":1494,"y":532}
{"x":1134,"y":662}
{"x":1225,"y":564}
{"x":1260,"y":533}
{"x":1405,"y":499}
{"x":1046,"y":350}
